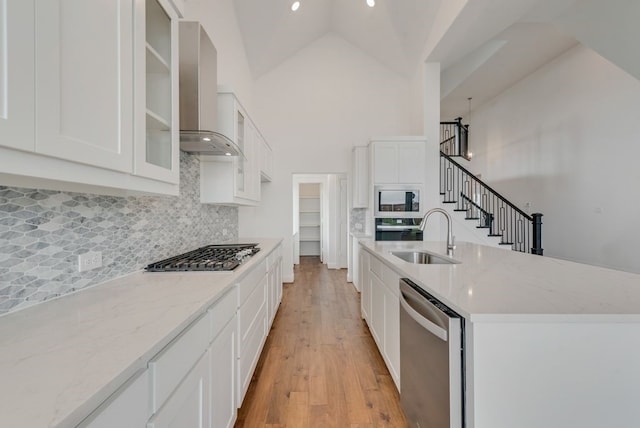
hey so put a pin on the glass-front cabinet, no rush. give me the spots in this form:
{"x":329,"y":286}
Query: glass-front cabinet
{"x":240,"y":161}
{"x":232,"y":180}
{"x":156,"y":100}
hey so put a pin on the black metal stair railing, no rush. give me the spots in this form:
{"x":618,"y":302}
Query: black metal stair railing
{"x":523,"y":232}
{"x":454,"y":138}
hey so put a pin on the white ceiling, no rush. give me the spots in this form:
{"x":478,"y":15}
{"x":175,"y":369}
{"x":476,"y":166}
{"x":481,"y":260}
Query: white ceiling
{"x":483,"y":46}
{"x":520,"y":50}
{"x":393,"y":32}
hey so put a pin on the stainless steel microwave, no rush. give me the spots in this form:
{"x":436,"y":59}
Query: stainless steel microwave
{"x":401,"y":200}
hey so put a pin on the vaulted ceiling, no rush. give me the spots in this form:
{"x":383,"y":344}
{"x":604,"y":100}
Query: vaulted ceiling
{"x":393,"y":32}
{"x":484,"y":46}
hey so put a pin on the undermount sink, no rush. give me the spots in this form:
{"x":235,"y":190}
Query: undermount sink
{"x":422,"y":258}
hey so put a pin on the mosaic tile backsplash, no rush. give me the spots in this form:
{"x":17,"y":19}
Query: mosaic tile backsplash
{"x":358,"y":216}
{"x":42,"y":233}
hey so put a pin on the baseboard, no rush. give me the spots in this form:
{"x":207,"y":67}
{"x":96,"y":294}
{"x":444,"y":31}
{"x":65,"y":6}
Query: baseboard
{"x":287,"y":278}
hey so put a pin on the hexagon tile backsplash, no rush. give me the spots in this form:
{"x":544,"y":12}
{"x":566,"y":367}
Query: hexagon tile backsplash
{"x":42,"y":232}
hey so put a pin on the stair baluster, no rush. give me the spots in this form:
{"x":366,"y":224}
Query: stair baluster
{"x":469,"y":194}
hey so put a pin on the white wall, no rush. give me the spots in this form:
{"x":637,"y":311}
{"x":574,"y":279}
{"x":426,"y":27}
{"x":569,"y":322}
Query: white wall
{"x":218,"y":17}
{"x":566,"y":139}
{"x":313,"y":109}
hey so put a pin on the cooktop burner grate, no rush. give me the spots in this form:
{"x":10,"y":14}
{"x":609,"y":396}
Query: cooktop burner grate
{"x":209,"y":258}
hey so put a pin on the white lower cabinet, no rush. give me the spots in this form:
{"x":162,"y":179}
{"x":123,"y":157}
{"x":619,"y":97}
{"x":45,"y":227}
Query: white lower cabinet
{"x":377,"y":310}
{"x":222,"y":356}
{"x":391,"y":341}
{"x":126,"y":408}
{"x":365,"y":285}
{"x":252,"y":332}
{"x":188,"y":405}
{"x":173,"y":363}
{"x":381,"y":309}
{"x":274,"y":261}
{"x":201,"y":377}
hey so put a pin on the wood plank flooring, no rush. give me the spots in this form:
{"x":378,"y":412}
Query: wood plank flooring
{"x":320,"y":366}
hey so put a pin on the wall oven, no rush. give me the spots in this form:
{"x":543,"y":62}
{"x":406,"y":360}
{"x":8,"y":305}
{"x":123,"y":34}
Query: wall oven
{"x":397,"y":200}
{"x":398,"y":229}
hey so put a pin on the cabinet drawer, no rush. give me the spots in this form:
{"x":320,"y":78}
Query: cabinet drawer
{"x":173,"y":363}
{"x":391,"y":279}
{"x":189,"y":405}
{"x":249,"y":282}
{"x":222,"y":312}
{"x":376,"y":266}
{"x":126,"y":408}
{"x":249,"y":312}
{"x":251,"y":352}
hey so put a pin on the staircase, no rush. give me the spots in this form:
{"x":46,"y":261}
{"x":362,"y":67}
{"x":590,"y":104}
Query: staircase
{"x":491,"y":213}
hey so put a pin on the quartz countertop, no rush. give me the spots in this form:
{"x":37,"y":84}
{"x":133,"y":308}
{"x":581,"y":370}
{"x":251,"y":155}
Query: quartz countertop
{"x":493,"y":284}
{"x":61,"y":359}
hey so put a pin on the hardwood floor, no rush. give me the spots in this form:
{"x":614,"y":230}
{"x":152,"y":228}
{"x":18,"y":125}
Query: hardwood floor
{"x":320,"y":366}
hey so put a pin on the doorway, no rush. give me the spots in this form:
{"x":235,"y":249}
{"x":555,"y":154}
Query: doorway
{"x":320,"y":218}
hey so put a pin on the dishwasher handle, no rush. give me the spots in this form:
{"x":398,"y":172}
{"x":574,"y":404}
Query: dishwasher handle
{"x":434,"y":329}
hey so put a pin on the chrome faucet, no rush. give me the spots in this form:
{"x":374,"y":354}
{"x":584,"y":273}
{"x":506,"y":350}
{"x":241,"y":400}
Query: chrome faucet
{"x":450,"y":245}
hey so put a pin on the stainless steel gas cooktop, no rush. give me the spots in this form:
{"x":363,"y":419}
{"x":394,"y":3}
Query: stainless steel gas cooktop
{"x":224,"y":257}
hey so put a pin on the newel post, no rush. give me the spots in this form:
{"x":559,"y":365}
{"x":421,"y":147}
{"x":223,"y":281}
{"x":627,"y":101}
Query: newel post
{"x":537,"y":234}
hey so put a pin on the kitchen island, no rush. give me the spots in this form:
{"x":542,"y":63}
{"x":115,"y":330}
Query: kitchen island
{"x":549,"y":343}
{"x":61,"y":360}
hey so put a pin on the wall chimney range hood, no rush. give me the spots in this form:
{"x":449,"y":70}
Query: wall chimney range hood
{"x":199,"y":95}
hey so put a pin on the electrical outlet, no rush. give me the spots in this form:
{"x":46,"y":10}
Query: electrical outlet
{"x":90,"y":260}
{"x":358,"y":226}
{"x":224,"y":232}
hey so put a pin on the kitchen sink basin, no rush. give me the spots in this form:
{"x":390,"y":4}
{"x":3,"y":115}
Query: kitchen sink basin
{"x":422,"y":258}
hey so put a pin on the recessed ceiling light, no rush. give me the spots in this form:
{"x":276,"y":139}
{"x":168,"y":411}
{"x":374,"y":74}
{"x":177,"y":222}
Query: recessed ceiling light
{"x":206,"y":139}
{"x":371,"y":3}
{"x":296,"y":5}
{"x":227,"y":154}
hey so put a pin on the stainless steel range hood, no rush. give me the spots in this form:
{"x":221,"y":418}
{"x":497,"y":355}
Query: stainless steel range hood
{"x":199,"y":95}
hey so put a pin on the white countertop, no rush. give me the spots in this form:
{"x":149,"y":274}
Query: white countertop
{"x":60,"y":359}
{"x":493,"y":284}
{"x":360,"y":235}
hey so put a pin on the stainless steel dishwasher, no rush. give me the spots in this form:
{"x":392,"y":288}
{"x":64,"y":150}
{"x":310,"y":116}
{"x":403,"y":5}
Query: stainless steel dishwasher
{"x":431,"y":360}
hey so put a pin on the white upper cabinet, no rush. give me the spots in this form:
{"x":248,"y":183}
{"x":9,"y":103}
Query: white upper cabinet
{"x":266,"y":160}
{"x":156,"y":109}
{"x":17,"y":74}
{"x":360,"y":177}
{"x":84,"y":81}
{"x":411,"y":162}
{"x":398,"y":162}
{"x":233,"y":180}
{"x":385,"y":162}
{"x":88,"y":95}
